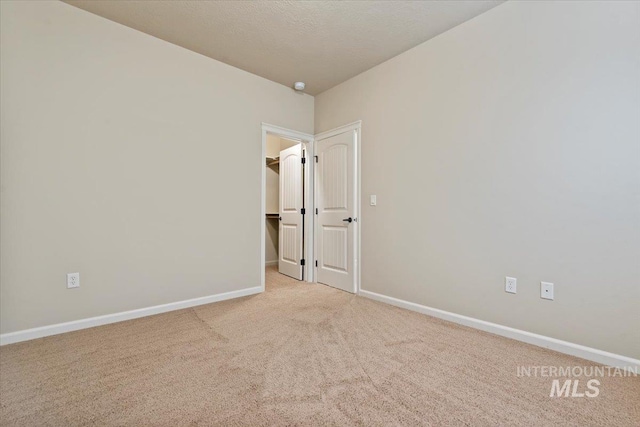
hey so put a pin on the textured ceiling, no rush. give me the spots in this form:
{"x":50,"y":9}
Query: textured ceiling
{"x":322,"y":43}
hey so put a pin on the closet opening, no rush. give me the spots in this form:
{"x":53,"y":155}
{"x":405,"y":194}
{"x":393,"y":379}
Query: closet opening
{"x":287,"y":220}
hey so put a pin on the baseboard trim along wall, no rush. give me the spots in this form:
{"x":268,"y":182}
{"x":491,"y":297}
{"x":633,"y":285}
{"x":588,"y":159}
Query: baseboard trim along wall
{"x":270,"y":263}
{"x":60,"y":328}
{"x":577,"y":350}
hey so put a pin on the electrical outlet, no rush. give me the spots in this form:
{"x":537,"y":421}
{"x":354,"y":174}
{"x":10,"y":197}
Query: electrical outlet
{"x":73,"y":280}
{"x":510,"y":284}
{"x":546,"y":290}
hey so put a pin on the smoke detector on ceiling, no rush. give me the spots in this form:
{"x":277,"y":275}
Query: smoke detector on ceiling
{"x":299,"y":86}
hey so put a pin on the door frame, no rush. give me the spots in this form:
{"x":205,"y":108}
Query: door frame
{"x":308,"y":145}
{"x":357,"y":127}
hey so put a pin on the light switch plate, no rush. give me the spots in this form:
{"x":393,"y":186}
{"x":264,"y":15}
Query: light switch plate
{"x":372,"y":200}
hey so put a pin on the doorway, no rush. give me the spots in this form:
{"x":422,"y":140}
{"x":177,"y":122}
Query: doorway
{"x":287,"y":190}
{"x":311,"y":229}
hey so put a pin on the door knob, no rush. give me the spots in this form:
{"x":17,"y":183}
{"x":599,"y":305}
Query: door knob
{"x":348,"y":219}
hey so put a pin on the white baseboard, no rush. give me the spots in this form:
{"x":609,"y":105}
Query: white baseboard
{"x":60,"y":328}
{"x":577,"y":350}
{"x":269,"y":263}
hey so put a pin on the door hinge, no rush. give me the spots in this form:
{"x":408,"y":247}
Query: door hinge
{"x":302,"y":261}
{"x":316,"y":263}
{"x":316,"y":157}
{"x":303,"y":211}
{"x":316,"y":211}
{"x":304,"y":160}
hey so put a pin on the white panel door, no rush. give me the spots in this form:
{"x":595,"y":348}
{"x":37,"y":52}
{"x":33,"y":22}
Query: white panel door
{"x":336,"y":203}
{"x":291,"y":202}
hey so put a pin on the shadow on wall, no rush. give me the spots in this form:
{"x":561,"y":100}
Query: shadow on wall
{"x":272,"y":239}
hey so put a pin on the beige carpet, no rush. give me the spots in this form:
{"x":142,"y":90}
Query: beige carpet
{"x":298,"y":354}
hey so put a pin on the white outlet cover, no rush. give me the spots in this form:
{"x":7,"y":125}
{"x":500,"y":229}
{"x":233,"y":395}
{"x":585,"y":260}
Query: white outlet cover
{"x":510,"y":284}
{"x":73,"y":280}
{"x":546,"y":290}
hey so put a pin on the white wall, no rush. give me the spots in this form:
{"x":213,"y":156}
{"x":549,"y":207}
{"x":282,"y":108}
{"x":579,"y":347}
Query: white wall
{"x":509,"y":145}
{"x":130,"y":160}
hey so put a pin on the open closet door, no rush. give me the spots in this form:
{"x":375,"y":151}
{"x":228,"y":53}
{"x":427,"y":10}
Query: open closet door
{"x":291,"y":219}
